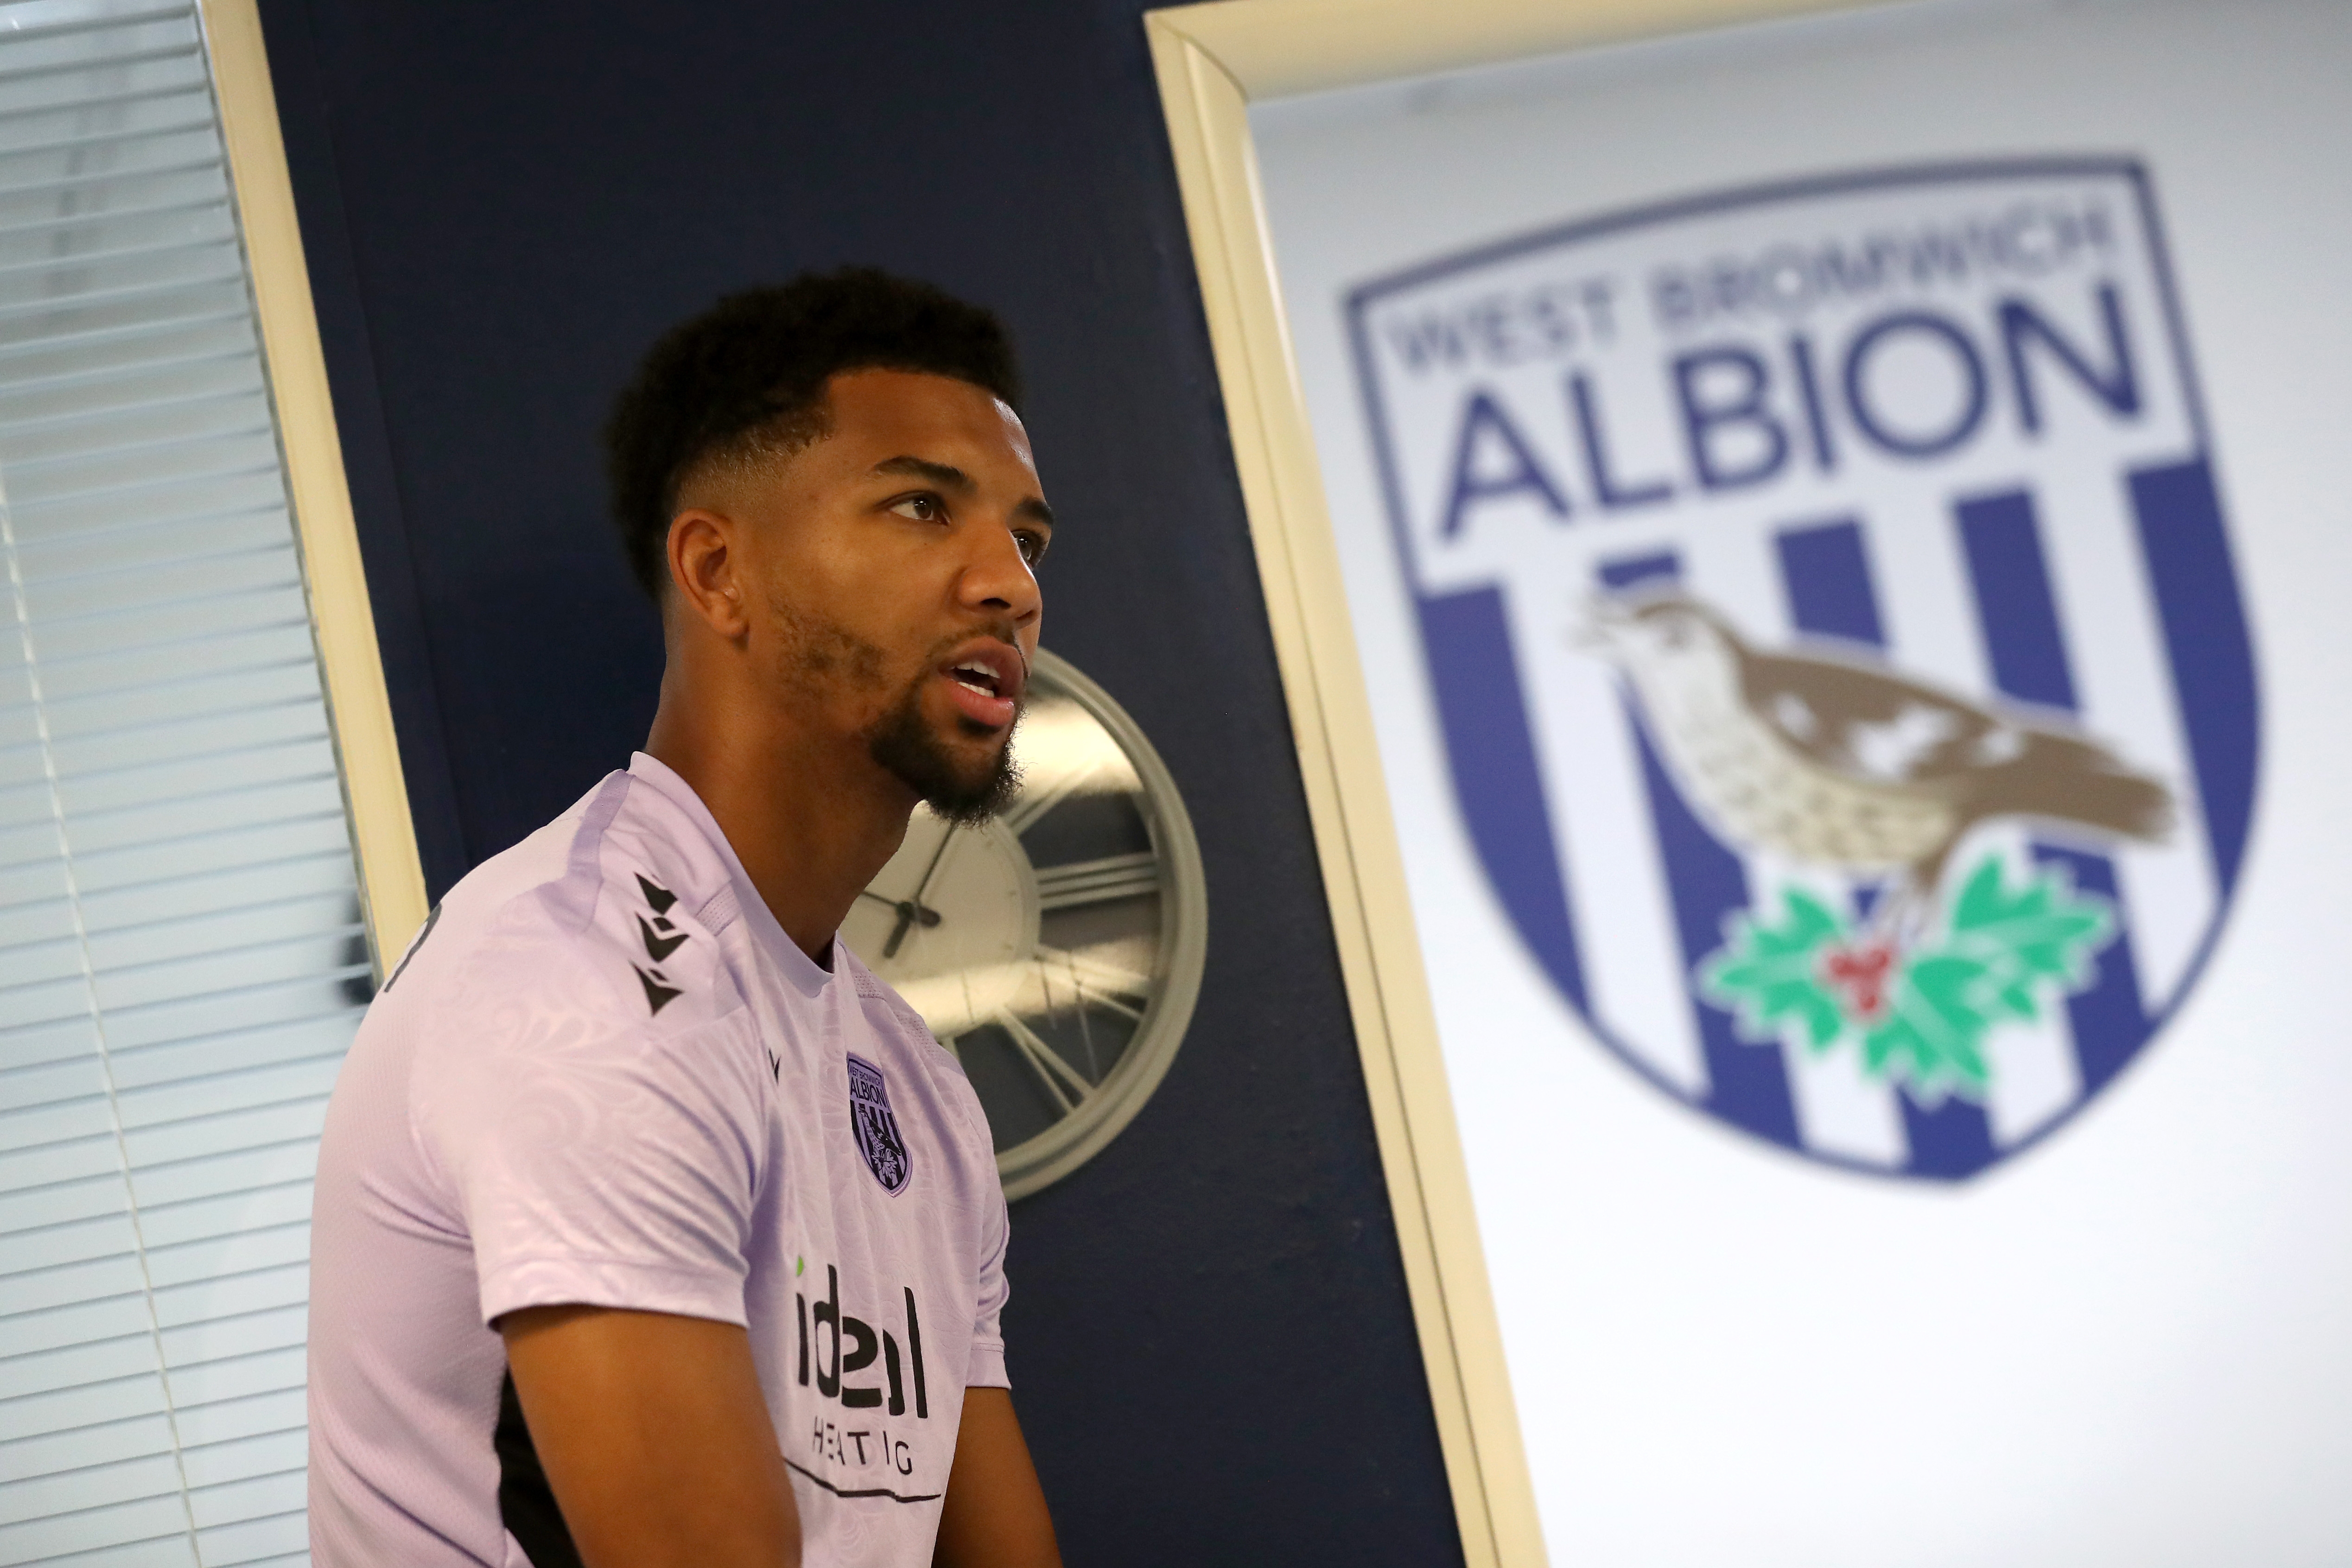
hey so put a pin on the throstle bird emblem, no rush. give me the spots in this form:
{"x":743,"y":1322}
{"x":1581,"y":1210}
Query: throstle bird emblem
{"x":1830,"y":763}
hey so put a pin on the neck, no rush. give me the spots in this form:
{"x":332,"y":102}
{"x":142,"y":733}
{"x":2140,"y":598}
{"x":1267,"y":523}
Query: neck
{"x":811,"y":818}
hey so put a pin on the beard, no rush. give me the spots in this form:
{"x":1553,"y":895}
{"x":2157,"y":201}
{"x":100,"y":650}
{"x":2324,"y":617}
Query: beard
{"x":964,"y":793}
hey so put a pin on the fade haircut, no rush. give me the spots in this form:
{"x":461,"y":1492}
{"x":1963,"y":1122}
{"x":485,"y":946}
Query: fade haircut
{"x":744,"y":382}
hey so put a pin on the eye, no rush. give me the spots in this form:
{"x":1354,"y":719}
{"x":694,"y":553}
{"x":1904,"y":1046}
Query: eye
{"x":922,"y":508}
{"x":1033,"y":546}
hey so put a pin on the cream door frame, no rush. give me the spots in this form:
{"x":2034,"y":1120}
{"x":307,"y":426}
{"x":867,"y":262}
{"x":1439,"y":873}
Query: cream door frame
{"x":375,"y":794}
{"x":1213,"y":61}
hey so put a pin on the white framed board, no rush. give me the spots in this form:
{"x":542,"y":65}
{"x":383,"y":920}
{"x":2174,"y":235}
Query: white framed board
{"x":1804,"y":555}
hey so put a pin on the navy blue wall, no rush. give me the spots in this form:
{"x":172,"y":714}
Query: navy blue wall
{"x":502,"y":205}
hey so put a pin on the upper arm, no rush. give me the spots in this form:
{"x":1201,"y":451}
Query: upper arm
{"x":994,"y":1514}
{"x":605,"y":1172}
{"x":655,"y":1438}
{"x":593,"y":1159}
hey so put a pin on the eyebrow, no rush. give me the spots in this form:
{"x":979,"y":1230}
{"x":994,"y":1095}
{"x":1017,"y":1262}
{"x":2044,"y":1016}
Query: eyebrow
{"x":949,"y":477}
{"x":945,"y":475}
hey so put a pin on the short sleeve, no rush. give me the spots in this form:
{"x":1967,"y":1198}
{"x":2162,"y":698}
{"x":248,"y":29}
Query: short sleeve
{"x":987,"y":1364}
{"x":593,"y":1164}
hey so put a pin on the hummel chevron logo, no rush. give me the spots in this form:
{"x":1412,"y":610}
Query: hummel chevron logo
{"x":658,"y":996}
{"x":658,"y":947}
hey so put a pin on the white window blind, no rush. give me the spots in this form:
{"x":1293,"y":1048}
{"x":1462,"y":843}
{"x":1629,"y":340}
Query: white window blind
{"x":181,"y":961}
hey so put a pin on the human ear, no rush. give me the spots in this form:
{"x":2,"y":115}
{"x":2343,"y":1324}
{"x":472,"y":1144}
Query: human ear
{"x":705,"y":571}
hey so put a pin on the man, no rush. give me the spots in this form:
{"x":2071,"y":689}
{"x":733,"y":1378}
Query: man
{"x":651,"y":1228}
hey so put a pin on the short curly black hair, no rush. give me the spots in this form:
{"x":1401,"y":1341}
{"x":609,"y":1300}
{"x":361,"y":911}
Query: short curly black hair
{"x":747,"y":378}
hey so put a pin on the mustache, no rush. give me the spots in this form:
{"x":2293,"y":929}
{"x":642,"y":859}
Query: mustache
{"x":1006,"y":631}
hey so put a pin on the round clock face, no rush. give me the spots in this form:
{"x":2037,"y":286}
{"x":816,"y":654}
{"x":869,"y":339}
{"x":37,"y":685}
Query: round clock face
{"x":1057,"y":950}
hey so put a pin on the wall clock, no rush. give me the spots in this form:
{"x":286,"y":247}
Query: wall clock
{"x":1057,"y":950}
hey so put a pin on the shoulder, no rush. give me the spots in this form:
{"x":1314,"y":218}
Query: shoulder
{"x":890,"y":1015}
{"x":606,"y":917}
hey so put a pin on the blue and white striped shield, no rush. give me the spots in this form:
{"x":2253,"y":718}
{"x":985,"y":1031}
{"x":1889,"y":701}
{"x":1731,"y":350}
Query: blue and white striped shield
{"x":1827,"y":605}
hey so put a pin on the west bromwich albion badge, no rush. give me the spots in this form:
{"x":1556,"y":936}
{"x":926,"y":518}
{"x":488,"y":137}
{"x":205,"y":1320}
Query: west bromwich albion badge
{"x":1825,"y":596}
{"x":875,"y":1128}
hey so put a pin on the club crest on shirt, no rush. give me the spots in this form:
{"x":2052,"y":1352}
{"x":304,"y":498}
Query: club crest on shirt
{"x":1834,"y":638}
{"x":876,"y":1128}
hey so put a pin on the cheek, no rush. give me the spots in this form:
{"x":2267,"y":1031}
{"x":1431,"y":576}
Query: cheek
{"x":807,"y":644}
{"x":859,"y":606}
{"x":865,"y":584}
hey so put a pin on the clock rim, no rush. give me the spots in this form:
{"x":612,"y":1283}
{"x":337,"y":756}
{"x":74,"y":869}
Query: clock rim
{"x":1031,"y":1165}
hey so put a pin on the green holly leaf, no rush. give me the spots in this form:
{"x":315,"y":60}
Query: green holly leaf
{"x":2042,"y":931}
{"x":1766,"y":972}
{"x":1934,"y":1028}
{"x":2003,"y":949}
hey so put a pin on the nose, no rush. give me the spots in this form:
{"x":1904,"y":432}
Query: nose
{"x":997,"y":578}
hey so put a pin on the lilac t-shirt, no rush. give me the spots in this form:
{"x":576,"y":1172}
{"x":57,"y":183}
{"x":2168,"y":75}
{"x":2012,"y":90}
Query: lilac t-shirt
{"x":602,"y":1074}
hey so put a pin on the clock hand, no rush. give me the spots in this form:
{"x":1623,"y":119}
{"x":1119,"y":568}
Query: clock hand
{"x":937,"y":855}
{"x":924,"y":914}
{"x":911,"y":911}
{"x":899,"y":932}
{"x":910,"y":915}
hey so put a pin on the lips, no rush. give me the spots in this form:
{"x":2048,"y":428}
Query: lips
{"x":984,"y":681}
